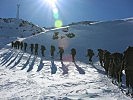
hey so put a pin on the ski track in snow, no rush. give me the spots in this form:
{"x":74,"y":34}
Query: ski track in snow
{"x":25,"y":76}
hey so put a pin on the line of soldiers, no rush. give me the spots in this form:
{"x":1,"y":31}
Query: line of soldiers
{"x":115,"y":63}
{"x":34,"y":49}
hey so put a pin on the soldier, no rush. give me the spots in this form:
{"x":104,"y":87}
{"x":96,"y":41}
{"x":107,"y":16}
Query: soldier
{"x":12,"y":44}
{"x":90,"y":54}
{"x":32,"y":47}
{"x":42,"y":50}
{"x":15,"y":45}
{"x":52,"y":50}
{"x":128,"y":67}
{"x":117,"y":62}
{"x":101,"y":55}
{"x":36,"y":49}
{"x":106,"y":61}
{"x":21,"y":45}
{"x":25,"y":46}
{"x":61,"y":51}
{"x":73,"y":53}
{"x":18,"y":44}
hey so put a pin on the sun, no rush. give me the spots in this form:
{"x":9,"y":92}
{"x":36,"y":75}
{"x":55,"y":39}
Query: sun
{"x":51,"y":3}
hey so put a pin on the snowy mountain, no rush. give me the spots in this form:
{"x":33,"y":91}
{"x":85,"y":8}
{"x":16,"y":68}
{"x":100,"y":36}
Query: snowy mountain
{"x":24,"y":76}
{"x":17,"y":27}
{"x":11,"y":28}
{"x":111,"y":35}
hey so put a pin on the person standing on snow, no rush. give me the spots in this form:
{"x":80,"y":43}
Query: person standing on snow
{"x":52,"y":50}
{"x":32,"y":47}
{"x":73,"y":53}
{"x":61,"y":51}
{"x":36,"y":49}
{"x":90,"y":54}
{"x":101,"y":55}
{"x":21,"y":45}
{"x":12,"y":44}
{"x":25,"y":46}
{"x":43,"y":49}
{"x":128,"y":67}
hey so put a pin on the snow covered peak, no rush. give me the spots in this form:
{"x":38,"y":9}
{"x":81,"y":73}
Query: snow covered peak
{"x":18,"y":28}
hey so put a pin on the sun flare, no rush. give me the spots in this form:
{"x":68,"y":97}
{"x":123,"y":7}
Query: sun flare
{"x":51,"y":3}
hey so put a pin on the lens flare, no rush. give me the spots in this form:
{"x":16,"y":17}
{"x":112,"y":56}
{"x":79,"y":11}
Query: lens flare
{"x":56,"y":16}
{"x":55,"y":13}
{"x":52,"y":3}
{"x":58,"y":23}
{"x":55,"y":10}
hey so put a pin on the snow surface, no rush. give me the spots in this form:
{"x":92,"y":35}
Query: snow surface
{"x":25,"y":76}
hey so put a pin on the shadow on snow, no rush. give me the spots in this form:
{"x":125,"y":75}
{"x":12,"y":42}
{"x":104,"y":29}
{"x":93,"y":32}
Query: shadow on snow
{"x":13,"y":59}
{"x":8,"y":59}
{"x":27,"y":62}
{"x":64,"y":68}
{"x":18,"y":61}
{"x":32,"y":64}
{"x":80,"y":70}
{"x":53,"y":67}
{"x":40,"y":65}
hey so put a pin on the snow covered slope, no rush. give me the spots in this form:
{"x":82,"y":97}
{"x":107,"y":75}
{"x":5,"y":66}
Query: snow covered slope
{"x":17,"y":27}
{"x":111,"y":35}
{"x":26,"y":77}
{"x":10,"y":28}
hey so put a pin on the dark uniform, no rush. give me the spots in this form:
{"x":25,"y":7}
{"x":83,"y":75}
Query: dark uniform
{"x":12,"y":44}
{"x":52,"y":50}
{"x":90,"y":54}
{"x":61,"y":51}
{"x":101,"y":55}
{"x":42,"y":50}
{"x":128,"y":61}
{"x":25,"y":46}
{"x":117,"y":62}
{"x":18,"y":44}
{"x":106,"y":61}
{"x":31,"y":48}
{"x":15,"y":45}
{"x":36,"y":49}
{"x":73,"y":53}
{"x":21,"y":45}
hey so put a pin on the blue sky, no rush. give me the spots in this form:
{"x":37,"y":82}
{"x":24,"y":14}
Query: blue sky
{"x":39,"y":12}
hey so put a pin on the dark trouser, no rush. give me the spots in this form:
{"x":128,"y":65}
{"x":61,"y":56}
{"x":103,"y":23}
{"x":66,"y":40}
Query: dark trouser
{"x":52,"y":54}
{"x":21,"y":47}
{"x":25,"y":49}
{"x":129,"y":78}
{"x":36,"y":51}
{"x":43,"y":53}
{"x":90,"y":58}
{"x":106,"y":66}
{"x":118,"y":76}
{"x":73,"y":58}
{"x":60,"y":56}
{"x":32,"y":51}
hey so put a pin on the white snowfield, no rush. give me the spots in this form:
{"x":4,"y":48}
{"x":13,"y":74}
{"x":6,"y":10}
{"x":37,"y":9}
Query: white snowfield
{"x":26,"y":77}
